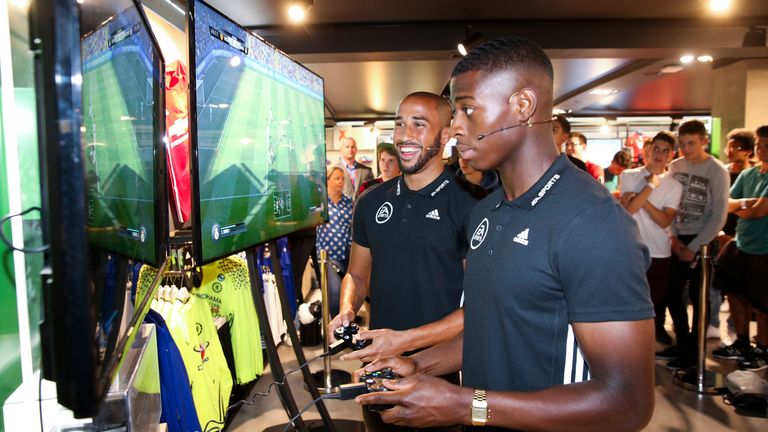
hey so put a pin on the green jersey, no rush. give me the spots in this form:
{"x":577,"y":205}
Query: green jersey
{"x":227,"y":289}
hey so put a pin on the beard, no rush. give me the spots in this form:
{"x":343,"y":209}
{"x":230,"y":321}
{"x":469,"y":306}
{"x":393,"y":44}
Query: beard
{"x":426,"y":155}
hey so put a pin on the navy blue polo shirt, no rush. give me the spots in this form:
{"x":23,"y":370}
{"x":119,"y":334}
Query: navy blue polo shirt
{"x":562,"y":252}
{"x":417,"y":242}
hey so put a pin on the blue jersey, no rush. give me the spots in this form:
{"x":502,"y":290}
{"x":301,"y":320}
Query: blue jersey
{"x":176,"y":397}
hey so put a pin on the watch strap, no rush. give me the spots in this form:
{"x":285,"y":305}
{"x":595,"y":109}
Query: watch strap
{"x":479,"y":410}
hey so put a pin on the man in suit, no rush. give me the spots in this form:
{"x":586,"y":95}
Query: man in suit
{"x":355,"y":173}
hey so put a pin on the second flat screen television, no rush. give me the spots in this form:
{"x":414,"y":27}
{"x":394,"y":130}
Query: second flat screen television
{"x":258,"y":137}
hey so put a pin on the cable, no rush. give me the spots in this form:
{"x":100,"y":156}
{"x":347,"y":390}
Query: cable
{"x":9,"y":243}
{"x":303,"y":410}
{"x":252,"y":400}
{"x":40,"y":398}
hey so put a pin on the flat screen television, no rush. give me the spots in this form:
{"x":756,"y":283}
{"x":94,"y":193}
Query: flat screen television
{"x":99,"y":85}
{"x":258,"y":138}
{"x":123,"y":128}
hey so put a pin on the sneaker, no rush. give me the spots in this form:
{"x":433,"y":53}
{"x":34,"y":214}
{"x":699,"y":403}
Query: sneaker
{"x":682,"y":362}
{"x":713,"y":332}
{"x":755,"y":360}
{"x":670,"y":353}
{"x":663,"y":337}
{"x":734,"y":351}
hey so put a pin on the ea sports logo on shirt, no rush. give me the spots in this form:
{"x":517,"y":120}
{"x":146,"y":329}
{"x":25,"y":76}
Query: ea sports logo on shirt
{"x":479,"y":235}
{"x":384,"y":213}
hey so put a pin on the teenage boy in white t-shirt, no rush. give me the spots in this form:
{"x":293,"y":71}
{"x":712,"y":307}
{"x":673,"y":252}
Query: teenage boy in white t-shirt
{"x":652,"y":198}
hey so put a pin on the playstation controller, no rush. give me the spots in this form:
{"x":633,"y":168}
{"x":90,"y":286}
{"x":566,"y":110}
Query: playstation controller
{"x":373,"y":382}
{"x":348,"y":334}
{"x":369,"y":382}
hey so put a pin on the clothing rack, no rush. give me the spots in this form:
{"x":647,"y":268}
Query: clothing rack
{"x":278,"y":374}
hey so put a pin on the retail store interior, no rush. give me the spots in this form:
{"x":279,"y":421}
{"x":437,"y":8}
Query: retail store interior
{"x":162,"y":175}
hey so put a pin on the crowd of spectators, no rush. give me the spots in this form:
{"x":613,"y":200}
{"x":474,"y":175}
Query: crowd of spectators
{"x":683,"y":197}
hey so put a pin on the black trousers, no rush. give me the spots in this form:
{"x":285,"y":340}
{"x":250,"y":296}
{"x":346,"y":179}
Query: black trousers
{"x":658,"y":281}
{"x":681,"y":274}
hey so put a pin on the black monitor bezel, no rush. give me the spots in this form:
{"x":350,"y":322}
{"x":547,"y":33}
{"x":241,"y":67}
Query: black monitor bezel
{"x":197,"y":239}
{"x":68,"y":322}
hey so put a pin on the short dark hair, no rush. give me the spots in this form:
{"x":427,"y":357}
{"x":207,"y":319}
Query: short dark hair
{"x":666,"y":136}
{"x":578,"y":135}
{"x":386,"y":147}
{"x":564,"y":123}
{"x":744,"y":137}
{"x":622,"y":159}
{"x":692,"y":127}
{"x":504,"y":54}
{"x":762,"y":131}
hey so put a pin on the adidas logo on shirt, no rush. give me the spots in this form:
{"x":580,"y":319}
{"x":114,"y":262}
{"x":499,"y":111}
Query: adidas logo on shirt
{"x":522,"y":237}
{"x":434,"y":214}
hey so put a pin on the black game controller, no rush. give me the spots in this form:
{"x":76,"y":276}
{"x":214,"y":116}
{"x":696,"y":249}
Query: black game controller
{"x":348,"y":335}
{"x":373,"y":381}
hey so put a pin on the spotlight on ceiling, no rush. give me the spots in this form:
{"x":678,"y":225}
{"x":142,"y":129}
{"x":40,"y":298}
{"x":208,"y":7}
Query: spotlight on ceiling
{"x":471,"y":40}
{"x":297,"y":9}
{"x":686,"y":59}
{"x":720,"y":6}
{"x":754,"y":37}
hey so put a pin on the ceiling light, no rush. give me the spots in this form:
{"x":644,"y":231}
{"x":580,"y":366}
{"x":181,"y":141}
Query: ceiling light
{"x":604,"y":129}
{"x":671,"y":69}
{"x":297,"y":10}
{"x":557,"y":111}
{"x":706,"y":58}
{"x":471,"y":40}
{"x":462,"y":49}
{"x":603,"y":92}
{"x":235,"y":61}
{"x":686,"y":59}
{"x":719,"y":5}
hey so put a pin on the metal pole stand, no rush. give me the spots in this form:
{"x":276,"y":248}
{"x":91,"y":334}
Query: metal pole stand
{"x":699,"y":379}
{"x":331,"y":378}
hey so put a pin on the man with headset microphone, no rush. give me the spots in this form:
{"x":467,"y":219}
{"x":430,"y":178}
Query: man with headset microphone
{"x":545,"y":345}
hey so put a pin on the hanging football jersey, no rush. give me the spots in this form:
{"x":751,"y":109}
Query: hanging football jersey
{"x":178,"y":406}
{"x":177,"y":126}
{"x":272,"y":304}
{"x":191,"y":326}
{"x":286,"y":266}
{"x":226,"y":288}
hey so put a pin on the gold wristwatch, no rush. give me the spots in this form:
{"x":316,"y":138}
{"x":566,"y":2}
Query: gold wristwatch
{"x":480,"y":412}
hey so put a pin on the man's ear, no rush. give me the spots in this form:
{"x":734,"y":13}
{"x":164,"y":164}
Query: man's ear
{"x":524,"y":103}
{"x":445,"y":135}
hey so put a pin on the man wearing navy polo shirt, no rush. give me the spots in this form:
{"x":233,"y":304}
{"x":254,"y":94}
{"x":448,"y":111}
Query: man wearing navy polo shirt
{"x":408,"y":241}
{"x":558,"y":329}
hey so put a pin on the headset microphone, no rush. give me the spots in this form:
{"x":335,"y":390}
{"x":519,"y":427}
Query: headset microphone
{"x":481,"y":136}
{"x":529,"y":123}
{"x":432,"y":150}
